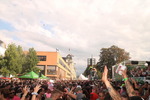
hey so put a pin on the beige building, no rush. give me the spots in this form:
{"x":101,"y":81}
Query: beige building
{"x":54,"y":66}
{"x":2,"y":48}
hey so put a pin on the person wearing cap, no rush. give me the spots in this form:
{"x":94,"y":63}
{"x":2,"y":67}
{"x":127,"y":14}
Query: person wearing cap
{"x":79,"y":94}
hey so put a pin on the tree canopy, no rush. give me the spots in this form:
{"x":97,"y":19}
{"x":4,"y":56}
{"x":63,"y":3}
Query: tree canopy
{"x":111,"y":56}
{"x":15,"y":61}
{"x":31,"y":61}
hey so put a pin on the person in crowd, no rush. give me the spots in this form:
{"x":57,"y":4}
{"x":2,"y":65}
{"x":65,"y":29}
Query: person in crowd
{"x":93,"y":74}
{"x":93,"y":94}
{"x":113,"y":93}
{"x":25,"y":95}
{"x":77,"y":89}
{"x":48,"y":93}
{"x":130,"y":90}
{"x":101,"y":96}
{"x":12,"y":95}
{"x":78,"y":94}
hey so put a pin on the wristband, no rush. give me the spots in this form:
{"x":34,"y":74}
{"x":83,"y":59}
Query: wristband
{"x":34,"y":93}
{"x":23,"y":95}
{"x":125,"y":79}
{"x":122,"y":85}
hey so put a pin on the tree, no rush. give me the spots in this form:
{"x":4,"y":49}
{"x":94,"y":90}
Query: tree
{"x":16,"y":61}
{"x":111,"y":56}
{"x":13,"y":59}
{"x":31,"y":61}
{"x":3,"y":69}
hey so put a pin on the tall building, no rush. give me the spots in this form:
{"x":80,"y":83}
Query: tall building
{"x":91,"y":61}
{"x":54,"y":66}
{"x":2,"y":48}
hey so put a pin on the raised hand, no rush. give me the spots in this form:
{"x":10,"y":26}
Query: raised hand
{"x":37,"y":88}
{"x":113,"y":93}
{"x":105,"y":73}
{"x":2,"y":97}
{"x":25,"y":90}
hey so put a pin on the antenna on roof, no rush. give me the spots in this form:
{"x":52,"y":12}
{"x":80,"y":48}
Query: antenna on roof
{"x":91,"y":56}
{"x":57,"y":50}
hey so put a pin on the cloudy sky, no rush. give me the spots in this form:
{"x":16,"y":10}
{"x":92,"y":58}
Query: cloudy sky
{"x":83,"y":26}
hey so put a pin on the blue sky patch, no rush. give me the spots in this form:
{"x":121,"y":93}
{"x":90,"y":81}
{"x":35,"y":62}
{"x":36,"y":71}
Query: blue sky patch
{"x":17,"y":38}
{"x":6,"y":26}
{"x":47,"y":27}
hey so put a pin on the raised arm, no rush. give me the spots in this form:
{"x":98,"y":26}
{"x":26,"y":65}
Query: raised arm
{"x":113,"y":93}
{"x":25,"y":92}
{"x":135,"y":84}
{"x":34,"y":94}
{"x":129,"y":87}
{"x":70,"y":93}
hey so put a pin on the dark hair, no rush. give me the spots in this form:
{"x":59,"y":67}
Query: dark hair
{"x":5,"y":92}
{"x":135,"y":98}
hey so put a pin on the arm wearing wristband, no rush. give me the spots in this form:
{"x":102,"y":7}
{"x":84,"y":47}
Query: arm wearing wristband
{"x":128,"y":85}
{"x":34,"y":94}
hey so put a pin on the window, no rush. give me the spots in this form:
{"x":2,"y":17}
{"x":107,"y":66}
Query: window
{"x":51,"y":70}
{"x":42,"y":68}
{"x":62,"y":64}
{"x":42,"y":58}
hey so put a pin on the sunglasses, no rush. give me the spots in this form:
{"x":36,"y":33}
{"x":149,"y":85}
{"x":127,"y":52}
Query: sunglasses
{"x":12,"y":93}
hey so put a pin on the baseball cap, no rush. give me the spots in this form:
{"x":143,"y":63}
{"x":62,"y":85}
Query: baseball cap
{"x":78,"y":89}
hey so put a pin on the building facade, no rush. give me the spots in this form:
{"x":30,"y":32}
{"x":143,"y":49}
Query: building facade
{"x":54,"y":66}
{"x":2,"y":48}
{"x":91,"y":61}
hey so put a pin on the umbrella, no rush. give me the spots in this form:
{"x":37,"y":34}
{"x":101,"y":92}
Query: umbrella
{"x":5,"y":78}
{"x":31,"y":74}
{"x":43,"y":77}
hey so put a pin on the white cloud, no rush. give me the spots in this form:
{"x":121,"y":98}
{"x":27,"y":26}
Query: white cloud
{"x":83,"y":26}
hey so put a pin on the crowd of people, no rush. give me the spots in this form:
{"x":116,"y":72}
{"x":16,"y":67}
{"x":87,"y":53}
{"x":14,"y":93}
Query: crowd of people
{"x":102,"y":89}
{"x":140,"y":72}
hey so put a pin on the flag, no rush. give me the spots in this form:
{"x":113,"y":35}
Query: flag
{"x":119,"y":68}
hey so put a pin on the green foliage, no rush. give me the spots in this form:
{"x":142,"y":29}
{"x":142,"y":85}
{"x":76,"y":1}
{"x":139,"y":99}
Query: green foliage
{"x":15,"y":61}
{"x":13,"y":57}
{"x":111,"y":56}
{"x":99,"y":74}
{"x":2,"y":62}
{"x":36,"y":69}
{"x":4,"y":71}
{"x":31,"y":61}
{"x":87,"y":71}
